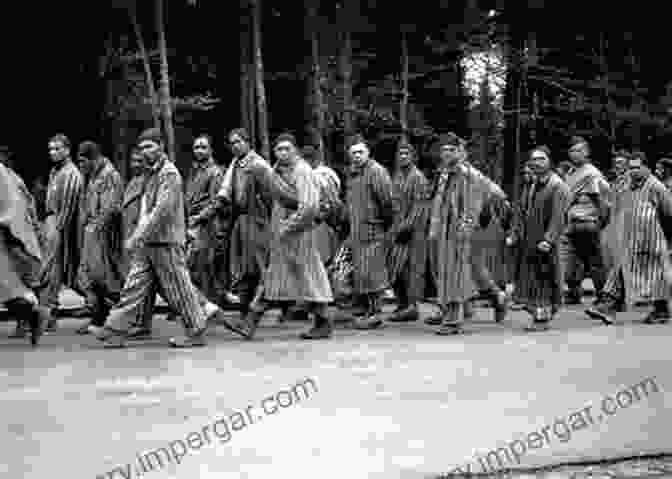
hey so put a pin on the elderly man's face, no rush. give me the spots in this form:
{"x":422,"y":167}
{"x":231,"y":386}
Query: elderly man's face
{"x":284,"y":151}
{"x":58,"y":151}
{"x":137,"y":164}
{"x":540,"y":165}
{"x":151,"y":151}
{"x":451,"y":154}
{"x":239,"y":146}
{"x":578,"y":153}
{"x":404,"y":156}
{"x":619,"y":165}
{"x":359,"y":154}
{"x":202,"y":149}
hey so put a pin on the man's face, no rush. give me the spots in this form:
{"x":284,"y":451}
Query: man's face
{"x":452,"y":154}
{"x":284,"y":151}
{"x":539,"y":165}
{"x":619,"y":165}
{"x":527,"y":174}
{"x":84,"y":164}
{"x":137,"y":164}
{"x":636,"y":168}
{"x":404,"y":157}
{"x":359,"y":154}
{"x":578,"y":153}
{"x":239,"y":146}
{"x":151,"y":151}
{"x":58,"y":151}
{"x":202,"y":149}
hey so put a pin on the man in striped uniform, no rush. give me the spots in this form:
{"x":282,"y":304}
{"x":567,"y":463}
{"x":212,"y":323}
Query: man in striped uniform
{"x":642,"y":270}
{"x":159,"y":241}
{"x":461,"y":194}
{"x":371,"y":214}
{"x":539,"y":282}
{"x":296,"y":272}
{"x":99,"y":277}
{"x":60,"y":226}
{"x":407,"y":254}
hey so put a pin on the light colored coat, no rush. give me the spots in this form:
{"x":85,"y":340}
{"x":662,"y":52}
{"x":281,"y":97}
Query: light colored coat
{"x":296,"y":271}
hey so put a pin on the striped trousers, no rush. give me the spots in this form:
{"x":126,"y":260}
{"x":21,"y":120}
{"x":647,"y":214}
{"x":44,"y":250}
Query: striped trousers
{"x":163,"y":267}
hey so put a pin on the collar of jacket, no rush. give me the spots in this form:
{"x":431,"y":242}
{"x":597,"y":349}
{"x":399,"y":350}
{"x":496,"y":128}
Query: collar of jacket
{"x":356,"y":170}
{"x":103,"y":163}
{"x":158,"y":165}
{"x":202,"y":165}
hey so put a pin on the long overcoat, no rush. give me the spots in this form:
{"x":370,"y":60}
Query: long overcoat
{"x":60,"y":226}
{"x":371,"y":212}
{"x":408,"y":259}
{"x":642,"y":256}
{"x":101,"y":247}
{"x":460,"y":197}
{"x":20,"y":251}
{"x":539,"y":278}
{"x":296,"y":271}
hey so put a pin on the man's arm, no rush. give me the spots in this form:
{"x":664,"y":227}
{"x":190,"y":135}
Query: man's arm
{"x":557,"y":221}
{"x":169,"y":189}
{"x":210,"y":209}
{"x":111,"y":199}
{"x":70,"y":191}
{"x":308,"y":206}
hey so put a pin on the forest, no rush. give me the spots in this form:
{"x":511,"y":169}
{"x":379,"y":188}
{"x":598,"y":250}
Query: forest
{"x":505,"y":74}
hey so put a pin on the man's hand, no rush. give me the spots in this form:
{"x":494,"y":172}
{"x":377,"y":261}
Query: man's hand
{"x":132,"y":243}
{"x":544,"y":246}
{"x":511,"y":240}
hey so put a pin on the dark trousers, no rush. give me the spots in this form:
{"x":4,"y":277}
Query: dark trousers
{"x":582,"y":252}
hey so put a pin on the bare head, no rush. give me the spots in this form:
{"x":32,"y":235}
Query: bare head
{"x":59,"y":148}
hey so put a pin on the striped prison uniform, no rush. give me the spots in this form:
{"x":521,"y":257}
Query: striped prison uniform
{"x":642,"y":250}
{"x":161,"y":258}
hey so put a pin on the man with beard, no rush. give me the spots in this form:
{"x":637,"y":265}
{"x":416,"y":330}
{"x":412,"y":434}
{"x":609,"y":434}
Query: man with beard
{"x":461,"y":194}
{"x":296,"y":273}
{"x":371,"y":213}
{"x":20,"y":254}
{"x":99,"y":277}
{"x":202,"y":187}
{"x":664,"y":171}
{"x":61,"y":232}
{"x":159,"y":259}
{"x":587,"y":215}
{"x":642,"y":272}
{"x":407,"y":254}
{"x":539,"y":282}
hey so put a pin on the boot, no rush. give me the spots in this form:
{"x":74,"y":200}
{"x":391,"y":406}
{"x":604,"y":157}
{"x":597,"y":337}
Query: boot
{"x":452,"y":320}
{"x":321,"y":329}
{"x":20,"y":329}
{"x":540,"y":321}
{"x":660,"y":313}
{"x":500,"y":303}
{"x":605,"y":310}
{"x":404,"y":314}
{"x":573,"y":295}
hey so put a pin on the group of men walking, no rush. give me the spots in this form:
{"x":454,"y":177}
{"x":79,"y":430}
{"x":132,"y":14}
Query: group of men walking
{"x":260,"y":236}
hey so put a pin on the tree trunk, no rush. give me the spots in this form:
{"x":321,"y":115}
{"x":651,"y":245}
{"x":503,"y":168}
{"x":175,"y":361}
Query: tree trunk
{"x":345,"y":68}
{"x":259,"y":74}
{"x":247,"y":108}
{"x":403,"y":108}
{"x":318,"y":105}
{"x":151,"y":86}
{"x":164,"y":90}
{"x":512,"y":105}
